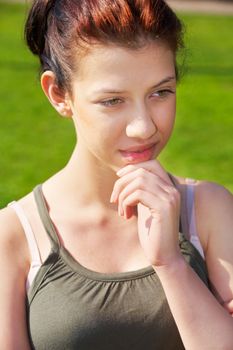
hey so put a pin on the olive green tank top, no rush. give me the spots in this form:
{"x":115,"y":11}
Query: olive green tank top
{"x":70,"y":307}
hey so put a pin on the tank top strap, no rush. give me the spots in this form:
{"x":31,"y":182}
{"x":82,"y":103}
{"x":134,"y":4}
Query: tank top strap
{"x":184,"y":221}
{"x":45,"y":218}
{"x":187,"y":212}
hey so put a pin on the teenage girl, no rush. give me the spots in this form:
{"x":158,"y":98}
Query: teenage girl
{"x":113,"y":252}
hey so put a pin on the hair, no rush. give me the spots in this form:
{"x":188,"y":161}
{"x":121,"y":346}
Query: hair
{"x":57,"y":30}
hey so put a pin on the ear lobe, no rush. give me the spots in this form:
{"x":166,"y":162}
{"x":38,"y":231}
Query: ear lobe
{"x":58,"y":99}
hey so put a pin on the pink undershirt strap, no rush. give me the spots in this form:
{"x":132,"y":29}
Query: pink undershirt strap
{"x":192,"y":229}
{"x":32,"y":244}
{"x":34,"y":251}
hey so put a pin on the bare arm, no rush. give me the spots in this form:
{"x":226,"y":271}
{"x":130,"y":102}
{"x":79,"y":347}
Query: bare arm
{"x":203,"y":323}
{"x":14,"y":264}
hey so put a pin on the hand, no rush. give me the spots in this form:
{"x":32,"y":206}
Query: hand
{"x":148,"y":187}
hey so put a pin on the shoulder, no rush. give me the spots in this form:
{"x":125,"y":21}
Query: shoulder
{"x":213,"y":211}
{"x":13,"y":245}
{"x":214,"y":220}
{"x":218,"y":194}
{"x":14,"y":266}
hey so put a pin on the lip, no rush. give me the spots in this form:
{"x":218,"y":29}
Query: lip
{"x":138,"y":154}
{"x":139,"y":148}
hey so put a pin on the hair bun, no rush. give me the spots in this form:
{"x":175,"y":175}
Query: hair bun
{"x":36,"y":25}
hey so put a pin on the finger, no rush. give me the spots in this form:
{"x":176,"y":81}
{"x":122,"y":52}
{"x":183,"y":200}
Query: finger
{"x":229,"y":306}
{"x":153,"y":166}
{"x":143,"y":176}
{"x":156,"y":203}
{"x":139,"y":196}
{"x":149,"y":186}
{"x":129,"y":212}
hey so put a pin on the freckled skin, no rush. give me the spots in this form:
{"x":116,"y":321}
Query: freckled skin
{"x":139,"y":118}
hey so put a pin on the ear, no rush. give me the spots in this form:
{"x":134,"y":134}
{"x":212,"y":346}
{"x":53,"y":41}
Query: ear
{"x":59,"y":99}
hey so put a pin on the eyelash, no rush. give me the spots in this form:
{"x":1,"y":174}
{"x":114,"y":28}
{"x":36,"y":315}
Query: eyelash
{"x":108,"y":103}
{"x":160,"y":94}
{"x":164,"y":93}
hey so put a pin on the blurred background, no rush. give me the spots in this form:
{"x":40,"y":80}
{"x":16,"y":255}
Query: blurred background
{"x":35,"y":142}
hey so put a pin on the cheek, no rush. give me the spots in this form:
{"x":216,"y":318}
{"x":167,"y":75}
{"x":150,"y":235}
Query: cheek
{"x":97,"y":127}
{"x":165,"y":117}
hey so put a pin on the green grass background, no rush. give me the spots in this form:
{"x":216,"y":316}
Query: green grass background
{"x":35,"y":142}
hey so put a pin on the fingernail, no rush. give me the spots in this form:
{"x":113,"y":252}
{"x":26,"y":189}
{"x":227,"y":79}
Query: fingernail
{"x":120,"y":172}
{"x":112,"y":199}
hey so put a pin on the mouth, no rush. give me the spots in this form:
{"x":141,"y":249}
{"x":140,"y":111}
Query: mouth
{"x":139,"y":154}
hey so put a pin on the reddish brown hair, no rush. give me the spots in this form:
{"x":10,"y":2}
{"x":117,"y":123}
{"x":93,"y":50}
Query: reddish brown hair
{"x":55,"y":29}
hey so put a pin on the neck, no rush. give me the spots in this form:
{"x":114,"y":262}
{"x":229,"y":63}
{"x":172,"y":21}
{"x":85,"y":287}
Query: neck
{"x":87,"y":179}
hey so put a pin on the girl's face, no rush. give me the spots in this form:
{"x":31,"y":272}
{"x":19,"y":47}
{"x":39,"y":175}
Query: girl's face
{"x":124,"y":103}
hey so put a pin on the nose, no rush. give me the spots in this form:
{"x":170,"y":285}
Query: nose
{"x":141,"y":125}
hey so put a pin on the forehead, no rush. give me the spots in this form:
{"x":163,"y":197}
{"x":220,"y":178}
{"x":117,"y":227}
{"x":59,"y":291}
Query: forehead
{"x":126,"y":67}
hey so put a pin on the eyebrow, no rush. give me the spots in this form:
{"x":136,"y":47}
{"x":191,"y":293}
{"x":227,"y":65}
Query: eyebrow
{"x":164,"y":81}
{"x":110,"y":91}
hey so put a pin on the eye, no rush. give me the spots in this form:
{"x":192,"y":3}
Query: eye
{"x":163,"y":93}
{"x":111,"y":102}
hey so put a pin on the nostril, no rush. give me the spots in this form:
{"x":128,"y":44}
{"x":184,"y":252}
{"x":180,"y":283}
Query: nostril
{"x":141,"y":128}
